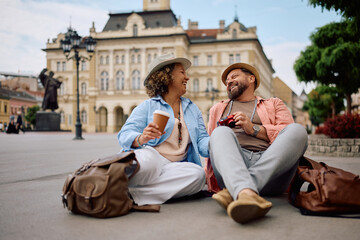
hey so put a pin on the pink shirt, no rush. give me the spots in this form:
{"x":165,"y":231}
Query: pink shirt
{"x":274,"y":116}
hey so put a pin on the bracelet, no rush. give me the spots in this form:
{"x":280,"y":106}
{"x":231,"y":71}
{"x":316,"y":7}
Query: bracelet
{"x":138,"y":142}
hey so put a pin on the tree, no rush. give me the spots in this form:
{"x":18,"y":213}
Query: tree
{"x":333,"y":58}
{"x":348,"y":9}
{"x":31,"y":114}
{"x":323,"y":102}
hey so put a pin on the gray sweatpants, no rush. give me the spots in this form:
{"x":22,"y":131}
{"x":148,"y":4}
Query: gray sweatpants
{"x":268,"y":172}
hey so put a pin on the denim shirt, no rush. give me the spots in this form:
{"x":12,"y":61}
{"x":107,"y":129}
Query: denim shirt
{"x":142,"y":115}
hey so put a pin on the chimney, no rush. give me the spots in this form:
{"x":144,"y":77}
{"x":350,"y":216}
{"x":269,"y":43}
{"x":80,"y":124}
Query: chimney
{"x":221,"y":24}
{"x":192,"y":25}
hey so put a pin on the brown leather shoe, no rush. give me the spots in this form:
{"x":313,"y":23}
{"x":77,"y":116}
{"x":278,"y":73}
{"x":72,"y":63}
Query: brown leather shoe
{"x":248,"y":207}
{"x":223,"y":198}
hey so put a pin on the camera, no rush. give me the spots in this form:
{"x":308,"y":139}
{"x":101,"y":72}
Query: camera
{"x":227,"y":121}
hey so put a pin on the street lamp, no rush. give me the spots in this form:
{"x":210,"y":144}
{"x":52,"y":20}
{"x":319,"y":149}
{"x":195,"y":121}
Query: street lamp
{"x":73,"y":41}
{"x":214,"y":93}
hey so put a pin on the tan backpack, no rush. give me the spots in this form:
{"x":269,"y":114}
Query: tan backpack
{"x":100,"y":187}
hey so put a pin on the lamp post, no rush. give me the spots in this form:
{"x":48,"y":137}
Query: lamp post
{"x":73,"y":41}
{"x":214,"y":93}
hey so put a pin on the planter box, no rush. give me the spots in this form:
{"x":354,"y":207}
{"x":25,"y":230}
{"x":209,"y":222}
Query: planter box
{"x":335,"y":147}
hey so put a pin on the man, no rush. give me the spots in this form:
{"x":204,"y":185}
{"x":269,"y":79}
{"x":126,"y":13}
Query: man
{"x":51,"y":85}
{"x":12,"y":127}
{"x":259,"y":155}
{"x":19,"y":123}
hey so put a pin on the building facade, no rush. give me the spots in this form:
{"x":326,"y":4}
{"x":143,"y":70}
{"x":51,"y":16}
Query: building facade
{"x":111,"y":83}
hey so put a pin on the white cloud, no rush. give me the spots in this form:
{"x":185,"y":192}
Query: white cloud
{"x":284,"y":55}
{"x":26,"y":26}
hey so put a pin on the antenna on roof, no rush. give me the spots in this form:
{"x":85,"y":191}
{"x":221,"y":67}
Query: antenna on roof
{"x":236,"y":19}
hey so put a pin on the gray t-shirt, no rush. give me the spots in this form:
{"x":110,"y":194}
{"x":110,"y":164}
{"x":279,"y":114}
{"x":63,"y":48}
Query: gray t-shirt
{"x":247,"y":141}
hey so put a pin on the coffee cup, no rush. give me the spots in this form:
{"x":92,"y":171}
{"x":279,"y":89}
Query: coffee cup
{"x":161,"y":118}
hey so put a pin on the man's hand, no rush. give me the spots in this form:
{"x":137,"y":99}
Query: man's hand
{"x":244,"y":122}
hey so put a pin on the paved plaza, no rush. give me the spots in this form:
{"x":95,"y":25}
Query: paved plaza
{"x":33,"y":168}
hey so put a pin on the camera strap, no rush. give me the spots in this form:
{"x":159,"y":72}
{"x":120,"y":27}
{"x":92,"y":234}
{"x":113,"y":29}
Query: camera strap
{"x":253,"y":113}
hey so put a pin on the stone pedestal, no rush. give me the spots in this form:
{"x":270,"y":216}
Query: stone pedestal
{"x":47,"y":121}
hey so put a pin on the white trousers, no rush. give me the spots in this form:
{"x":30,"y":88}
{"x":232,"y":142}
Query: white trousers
{"x":159,"y":179}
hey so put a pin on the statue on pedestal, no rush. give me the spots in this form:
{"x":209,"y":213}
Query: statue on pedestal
{"x":51,"y":85}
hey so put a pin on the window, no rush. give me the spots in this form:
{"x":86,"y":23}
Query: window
{"x":209,"y":60}
{"x":69,"y":119}
{"x":83,"y":65}
{"x":101,"y":60}
{"x":209,"y":84}
{"x":63,"y":66}
{"x":83,"y":88}
{"x":62,"y":89}
{"x":117,"y":60}
{"x":196,"y":61}
{"x":139,"y":58}
{"x":58,"y":66}
{"x":62,"y":117}
{"x":122,"y":59}
{"x":135,"y":30}
{"x":231,"y":58}
{"x":135,"y":80}
{"x":104,"y":81}
{"x":149,"y":58}
{"x":234,"y":34}
{"x":237,"y":57}
{"x":120,"y":80}
{"x":107,"y":60}
{"x":5,"y":108}
{"x":83,"y":116}
{"x":196,"y":85}
{"x":132,"y":58}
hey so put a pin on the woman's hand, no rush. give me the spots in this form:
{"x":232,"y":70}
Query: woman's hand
{"x":150,"y":132}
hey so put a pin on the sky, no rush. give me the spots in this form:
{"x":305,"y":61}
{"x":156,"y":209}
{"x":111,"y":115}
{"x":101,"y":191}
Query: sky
{"x":283,"y":27}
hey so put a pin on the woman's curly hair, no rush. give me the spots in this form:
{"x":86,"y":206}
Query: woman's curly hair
{"x":159,"y":81}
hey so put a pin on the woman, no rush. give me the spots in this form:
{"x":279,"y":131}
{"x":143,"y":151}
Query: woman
{"x":170,"y":165}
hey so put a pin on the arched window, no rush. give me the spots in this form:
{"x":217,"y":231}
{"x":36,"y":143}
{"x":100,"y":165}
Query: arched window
{"x":135,"y":30}
{"x":120,"y":80}
{"x":135,"y":80}
{"x":83,"y":88}
{"x":104,"y":81}
{"x":196,"y":85}
{"x":83,"y":116}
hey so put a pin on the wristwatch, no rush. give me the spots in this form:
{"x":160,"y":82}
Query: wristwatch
{"x":256,"y":130}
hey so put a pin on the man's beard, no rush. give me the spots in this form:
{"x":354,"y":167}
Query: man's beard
{"x":238,"y":92}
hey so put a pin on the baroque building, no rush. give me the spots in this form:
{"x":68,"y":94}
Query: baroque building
{"x":111,"y":83}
